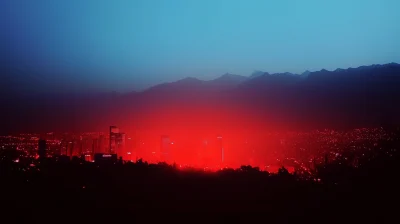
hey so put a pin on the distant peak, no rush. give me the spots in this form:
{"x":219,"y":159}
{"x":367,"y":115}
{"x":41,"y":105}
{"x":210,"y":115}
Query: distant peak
{"x":227,"y":74}
{"x":189,"y":79}
{"x":257,"y":73}
{"x":288,"y":73}
{"x":305,"y":73}
{"x":394,"y":64}
{"x":230,"y":76}
{"x":282,"y":74}
{"x":228,"y":79}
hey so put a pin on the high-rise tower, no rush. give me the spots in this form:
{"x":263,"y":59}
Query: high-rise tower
{"x":114,"y":131}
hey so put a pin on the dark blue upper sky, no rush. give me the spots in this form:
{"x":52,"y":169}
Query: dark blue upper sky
{"x":131,"y":44}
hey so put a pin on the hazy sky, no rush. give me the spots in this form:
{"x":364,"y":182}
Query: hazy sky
{"x":125,"y":45}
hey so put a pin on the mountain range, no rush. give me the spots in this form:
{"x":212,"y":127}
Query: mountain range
{"x":343,"y":98}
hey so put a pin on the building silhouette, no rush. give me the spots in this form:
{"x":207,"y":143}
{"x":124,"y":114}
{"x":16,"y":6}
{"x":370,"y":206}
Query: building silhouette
{"x":114,"y":131}
{"x":120,"y":144}
{"x":117,"y":144}
{"x":105,"y":158}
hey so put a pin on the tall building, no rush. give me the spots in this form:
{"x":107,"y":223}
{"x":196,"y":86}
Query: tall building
{"x":63,"y":147}
{"x":42,"y":149}
{"x":120,"y":144}
{"x":165,"y":148}
{"x":114,"y":131}
{"x":117,"y":141}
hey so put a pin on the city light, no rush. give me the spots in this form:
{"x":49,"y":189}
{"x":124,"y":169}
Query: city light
{"x":300,"y":151}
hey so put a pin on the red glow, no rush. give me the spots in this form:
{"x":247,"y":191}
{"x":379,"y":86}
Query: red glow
{"x":210,"y":135}
{"x":199,"y":132}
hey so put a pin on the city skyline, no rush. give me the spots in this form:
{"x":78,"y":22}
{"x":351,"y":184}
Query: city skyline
{"x":274,"y":150}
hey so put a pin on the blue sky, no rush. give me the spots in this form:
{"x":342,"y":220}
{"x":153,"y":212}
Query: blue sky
{"x":132,"y":44}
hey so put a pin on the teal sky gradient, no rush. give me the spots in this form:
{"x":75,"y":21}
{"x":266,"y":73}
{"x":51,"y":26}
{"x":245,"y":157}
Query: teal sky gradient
{"x":132,"y":44}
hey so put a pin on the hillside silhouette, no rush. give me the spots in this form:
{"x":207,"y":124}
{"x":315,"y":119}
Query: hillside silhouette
{"x":52,"y":189}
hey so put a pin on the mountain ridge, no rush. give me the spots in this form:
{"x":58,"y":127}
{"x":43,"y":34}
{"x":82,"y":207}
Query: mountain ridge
{"x":14,"y":80}
{"x":355,"y":97}
{"x":258,"y":73}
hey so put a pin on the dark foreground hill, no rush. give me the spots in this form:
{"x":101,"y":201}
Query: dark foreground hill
{"x":90,"y":192}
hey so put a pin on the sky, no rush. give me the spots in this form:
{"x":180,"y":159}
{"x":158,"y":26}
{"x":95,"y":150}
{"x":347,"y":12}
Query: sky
{"x":126,"y":45}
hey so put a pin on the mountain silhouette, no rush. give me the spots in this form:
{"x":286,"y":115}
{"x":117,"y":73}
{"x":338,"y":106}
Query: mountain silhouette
{"x":186,"y":83}
{"x":256,"y":74}
{"x":343,"y":98}
{"x":229,"y":79}
{"x":305,"y":73}
{"x":354,"y":97}
{"x":225,"y":82}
